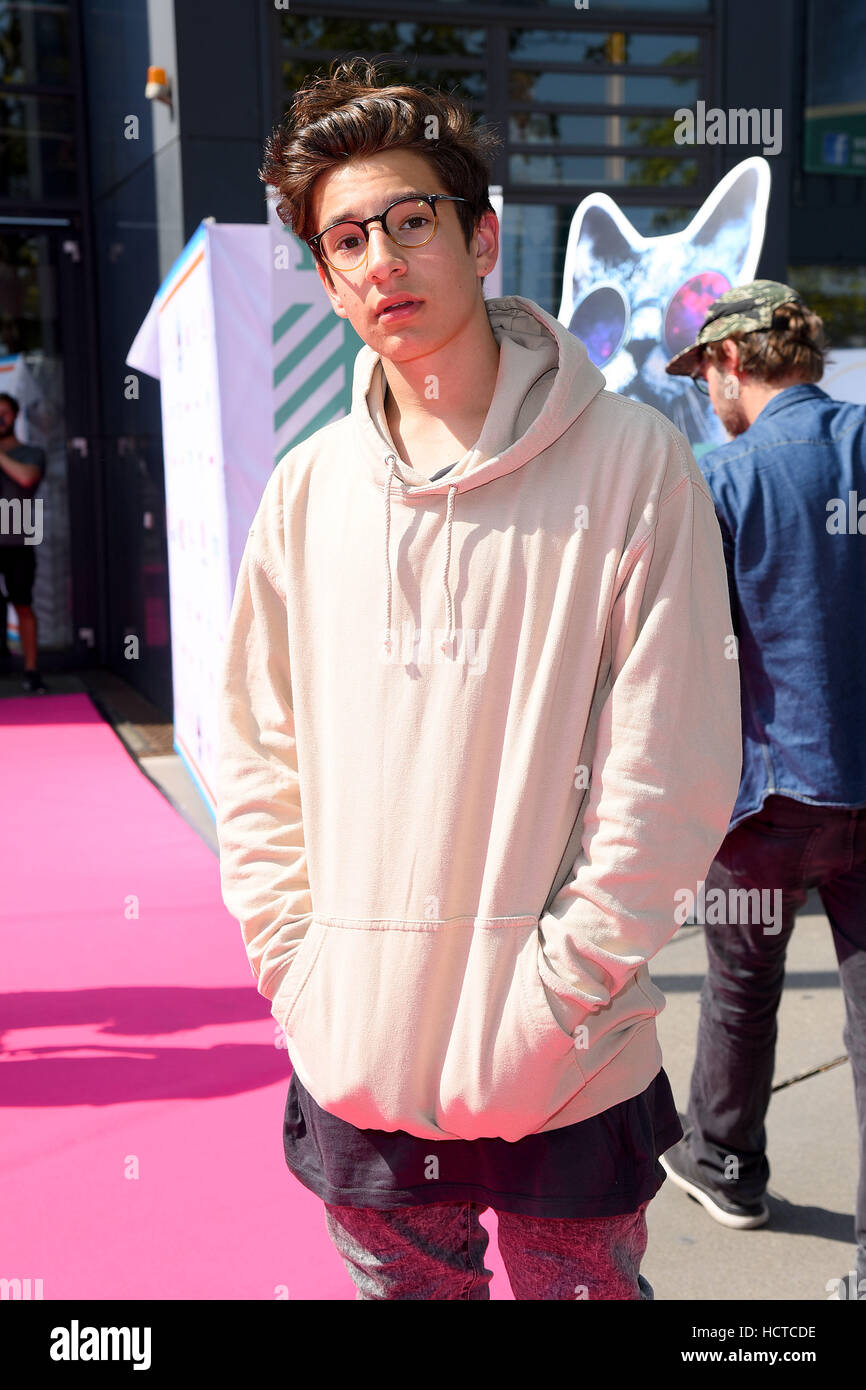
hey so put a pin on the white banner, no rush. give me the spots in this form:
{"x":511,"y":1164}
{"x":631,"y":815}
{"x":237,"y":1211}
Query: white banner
{"x":206,"y":338}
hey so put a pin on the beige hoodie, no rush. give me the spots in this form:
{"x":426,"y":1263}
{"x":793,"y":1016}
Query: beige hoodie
{"x":451,"y":861}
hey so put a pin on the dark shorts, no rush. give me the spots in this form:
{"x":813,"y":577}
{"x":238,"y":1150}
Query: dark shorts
{"x":604,"y":1166}
{"x":18,"y":568}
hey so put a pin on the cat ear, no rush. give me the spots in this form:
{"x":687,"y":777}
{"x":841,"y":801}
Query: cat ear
{"x":734,"y":217}
{"x":600,"y":239}
{"x":601,"y":228}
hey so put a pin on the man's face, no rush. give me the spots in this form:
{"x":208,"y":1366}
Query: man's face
{"x":724,"y":387}
{"x":442,"y":276}
{"x":7,"y":419}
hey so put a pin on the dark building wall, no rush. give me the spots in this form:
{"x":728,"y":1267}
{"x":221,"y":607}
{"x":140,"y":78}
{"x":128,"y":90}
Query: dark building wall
{"x":125,"y":250}
{"x":149,"y":194}
{"x":221,"y":73}
{"x":812,"y":217}
{"x":760,"y":52}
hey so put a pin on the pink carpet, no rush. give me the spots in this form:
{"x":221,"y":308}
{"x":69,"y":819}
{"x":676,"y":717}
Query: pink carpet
{"x":141,"y":1090}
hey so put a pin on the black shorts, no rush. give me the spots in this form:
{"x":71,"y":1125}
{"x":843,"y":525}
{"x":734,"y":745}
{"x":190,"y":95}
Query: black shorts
{"x":18,"y":568}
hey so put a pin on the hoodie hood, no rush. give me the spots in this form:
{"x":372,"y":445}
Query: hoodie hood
{"x":545,"y":380}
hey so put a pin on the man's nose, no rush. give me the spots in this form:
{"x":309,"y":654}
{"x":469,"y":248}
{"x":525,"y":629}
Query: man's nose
{"x":380,"y":248}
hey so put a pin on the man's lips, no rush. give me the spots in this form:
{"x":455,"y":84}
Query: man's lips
{"x":398,"y":307}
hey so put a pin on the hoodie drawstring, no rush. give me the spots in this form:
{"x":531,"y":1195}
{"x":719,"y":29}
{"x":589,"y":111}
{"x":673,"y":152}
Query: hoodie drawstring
{"x":445,"y":645}
{"x":391,"y":460}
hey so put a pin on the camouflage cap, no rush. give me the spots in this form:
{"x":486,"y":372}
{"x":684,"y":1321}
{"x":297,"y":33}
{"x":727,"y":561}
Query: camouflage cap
{"x":740,"y":310}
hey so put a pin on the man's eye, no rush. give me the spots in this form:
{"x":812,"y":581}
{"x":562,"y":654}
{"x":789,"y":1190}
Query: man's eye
{"x":414,"y":222}
{"x":347,"y":242}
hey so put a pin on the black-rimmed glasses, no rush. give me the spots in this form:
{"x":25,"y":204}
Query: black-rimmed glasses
{"x":699,"y":379}
{"x":408,"y":222}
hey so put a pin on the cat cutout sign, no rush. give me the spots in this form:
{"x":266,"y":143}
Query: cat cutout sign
{"x":634,"y":301}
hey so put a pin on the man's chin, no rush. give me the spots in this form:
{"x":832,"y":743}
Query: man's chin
{"x":401,"y":346}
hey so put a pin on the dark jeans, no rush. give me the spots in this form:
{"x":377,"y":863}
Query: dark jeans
{"x":436,"y":1252}
{"x":787,"y":848}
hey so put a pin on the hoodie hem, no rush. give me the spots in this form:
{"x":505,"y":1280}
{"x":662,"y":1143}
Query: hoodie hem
{"x":636,"y":1059}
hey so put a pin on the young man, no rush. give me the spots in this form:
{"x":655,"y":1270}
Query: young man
{"x":480,"y":722}
{"x":785,"y":490}
{"x":22,"y":468}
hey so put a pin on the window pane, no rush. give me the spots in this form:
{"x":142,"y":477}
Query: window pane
{"x":838,"y":295}
{"x":549,"y":128}
{"x":533,"y":251}
{"x":686,"y":6}
{"x":470,"y":86}
{"x":534,"y":238}
{"x":640,"y":6}
{"x":34,"y":43}
{"x":615,"y":88}
{"x":603,"y":169}
{"x":380,"y":36}
{"x":573,"y":45}
{"x":37,"y":147}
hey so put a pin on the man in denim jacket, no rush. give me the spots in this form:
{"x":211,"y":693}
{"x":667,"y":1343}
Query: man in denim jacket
{"x":790,"y":496}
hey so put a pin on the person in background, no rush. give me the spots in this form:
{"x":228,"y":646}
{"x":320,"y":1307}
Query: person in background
{"x":22,"y":468}
{"x":786,"y":490}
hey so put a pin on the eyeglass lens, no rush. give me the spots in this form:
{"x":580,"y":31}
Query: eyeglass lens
{"x":410,"y":223}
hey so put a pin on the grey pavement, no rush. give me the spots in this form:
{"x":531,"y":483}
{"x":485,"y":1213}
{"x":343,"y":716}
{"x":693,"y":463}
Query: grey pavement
{"x":811,"y":1137}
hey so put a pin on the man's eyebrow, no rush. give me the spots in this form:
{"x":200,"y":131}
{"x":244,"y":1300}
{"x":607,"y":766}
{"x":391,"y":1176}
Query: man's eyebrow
{"x":352,"y":216}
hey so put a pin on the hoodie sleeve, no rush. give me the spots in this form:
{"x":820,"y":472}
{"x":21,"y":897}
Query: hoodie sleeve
{"x":263,"y":862}
{"x":666,"y":759}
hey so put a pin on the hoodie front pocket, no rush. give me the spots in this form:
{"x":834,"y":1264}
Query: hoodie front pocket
{"x":289,"y":992}
{"x":438,"y":1028}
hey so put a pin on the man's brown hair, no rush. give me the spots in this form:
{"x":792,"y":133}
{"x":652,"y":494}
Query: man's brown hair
{"x":794,"y":346}
{"x":348,"y":114}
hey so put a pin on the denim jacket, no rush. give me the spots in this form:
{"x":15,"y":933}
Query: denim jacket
{"x":790,"y":494}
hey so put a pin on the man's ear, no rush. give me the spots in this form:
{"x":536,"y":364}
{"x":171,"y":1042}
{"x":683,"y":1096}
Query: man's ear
{"x":732,"y":355}
{"x":486,"y":241}
{"x":330,"y":290}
